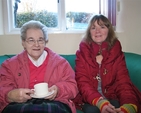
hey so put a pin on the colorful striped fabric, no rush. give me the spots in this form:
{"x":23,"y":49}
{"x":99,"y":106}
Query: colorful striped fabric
{"x":102,"y":103}
{"x":128,"y":108}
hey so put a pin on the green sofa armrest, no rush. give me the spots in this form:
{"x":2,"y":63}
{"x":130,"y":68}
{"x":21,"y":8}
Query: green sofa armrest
{"x":133,"y":62}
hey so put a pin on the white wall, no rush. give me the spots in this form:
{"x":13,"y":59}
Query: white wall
{"x":1,"y":21}
{"x":59,"y":43}
{"x":129,"y":22}
{"x":128,"y":31}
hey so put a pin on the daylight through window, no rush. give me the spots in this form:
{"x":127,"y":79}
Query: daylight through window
{"x":57,"y":15}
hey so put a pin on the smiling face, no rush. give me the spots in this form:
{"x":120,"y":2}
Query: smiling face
{"x":34,"y":49}
{"x":98,"y":32}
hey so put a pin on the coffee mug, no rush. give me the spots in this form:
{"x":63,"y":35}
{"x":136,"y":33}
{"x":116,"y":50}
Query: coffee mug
{"x":40,"y":89}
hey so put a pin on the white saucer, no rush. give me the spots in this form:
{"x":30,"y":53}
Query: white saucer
{"x":43,"y":96}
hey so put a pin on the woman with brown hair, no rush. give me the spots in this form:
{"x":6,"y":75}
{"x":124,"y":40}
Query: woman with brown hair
{"x":101,"y":73}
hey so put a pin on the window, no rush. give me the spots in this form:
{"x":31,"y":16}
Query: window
{"x":78,"y":13}
{"x":57,"y":15}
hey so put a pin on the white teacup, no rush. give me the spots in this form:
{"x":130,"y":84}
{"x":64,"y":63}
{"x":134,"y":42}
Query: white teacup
{"x":41,"y":89}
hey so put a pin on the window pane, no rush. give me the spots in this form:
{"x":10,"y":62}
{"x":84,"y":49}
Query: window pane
{"x":58,"y":15}
{"x":44,"y":11}
{"x":78,"y":13}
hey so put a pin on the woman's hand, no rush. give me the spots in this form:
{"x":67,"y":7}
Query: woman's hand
{"x":118,"y":110}
{"x":108,"y":109}
{"x":52,"y":97}
{"x":19,"y":95}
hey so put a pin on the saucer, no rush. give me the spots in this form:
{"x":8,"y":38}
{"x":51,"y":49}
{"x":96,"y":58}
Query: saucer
{"x":42,"y":96}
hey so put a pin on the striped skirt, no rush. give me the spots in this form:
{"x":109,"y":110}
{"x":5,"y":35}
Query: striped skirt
{"x":37,"y":106}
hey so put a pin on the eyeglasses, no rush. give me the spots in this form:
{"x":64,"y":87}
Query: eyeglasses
{"x":32,"y":41}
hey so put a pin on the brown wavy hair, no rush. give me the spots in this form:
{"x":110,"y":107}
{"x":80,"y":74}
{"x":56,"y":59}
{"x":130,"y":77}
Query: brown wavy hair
{"x":101,"y":19}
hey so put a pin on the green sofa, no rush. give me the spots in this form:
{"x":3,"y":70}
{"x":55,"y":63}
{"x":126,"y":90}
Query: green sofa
{"x":133,"y":62}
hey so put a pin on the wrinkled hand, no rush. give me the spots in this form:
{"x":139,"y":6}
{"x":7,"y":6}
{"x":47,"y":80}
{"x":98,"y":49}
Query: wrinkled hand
{"x":52,"y":97}
{"x":19,"y":95}
{"x":108,"y":109}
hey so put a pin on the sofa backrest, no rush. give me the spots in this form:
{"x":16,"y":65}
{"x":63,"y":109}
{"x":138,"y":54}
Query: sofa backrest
{"x":133,"y":62}
{"x":70,"y":59}
{"x":4,"y":57}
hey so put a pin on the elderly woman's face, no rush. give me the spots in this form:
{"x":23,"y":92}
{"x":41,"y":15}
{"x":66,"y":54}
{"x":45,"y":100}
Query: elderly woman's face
{"x":34,"y":43}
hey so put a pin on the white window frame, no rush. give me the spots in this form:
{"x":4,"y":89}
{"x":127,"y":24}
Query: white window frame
{"x":8,"y":19}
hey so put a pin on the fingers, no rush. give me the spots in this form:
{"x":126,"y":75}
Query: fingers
{"x":19,"y":95}
{"x":108,"y":109}
{"x":53,"y":96}
{"x":22,"y":95}
{"x":111,"y":106}
{"x":111,"y":109}
{"x":118,"y":110}
{"x":104,"y":110}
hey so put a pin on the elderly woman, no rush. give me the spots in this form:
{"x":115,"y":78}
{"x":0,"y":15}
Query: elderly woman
{"x":36,"y":64}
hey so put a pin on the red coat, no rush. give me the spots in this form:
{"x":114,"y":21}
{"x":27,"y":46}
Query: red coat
{"x":116,"y":83}
{"x":14,"y":73}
